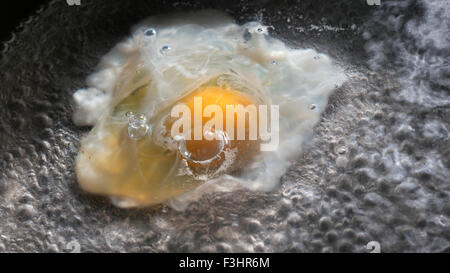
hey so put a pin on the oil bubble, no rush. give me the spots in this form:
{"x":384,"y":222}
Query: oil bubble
{"x":165,"y":49}
{"x":150,"y":32}
{"x":138,"y":131}
{"x":137,"y":119}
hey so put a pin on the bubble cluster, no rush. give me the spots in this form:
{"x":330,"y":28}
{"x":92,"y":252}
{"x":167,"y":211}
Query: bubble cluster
{"x":137,"y":125}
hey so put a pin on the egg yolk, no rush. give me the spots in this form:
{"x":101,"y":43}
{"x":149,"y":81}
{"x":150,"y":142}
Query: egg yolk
{"x":200,"y":152}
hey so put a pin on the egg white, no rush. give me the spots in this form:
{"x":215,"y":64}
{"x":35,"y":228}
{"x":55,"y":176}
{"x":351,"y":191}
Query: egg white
{"x":186,"y":50}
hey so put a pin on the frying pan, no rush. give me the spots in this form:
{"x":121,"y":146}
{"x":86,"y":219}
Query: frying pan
{"x":362,"y":178}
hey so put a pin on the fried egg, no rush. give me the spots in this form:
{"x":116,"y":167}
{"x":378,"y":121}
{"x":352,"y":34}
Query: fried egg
{"x":132,"y":156}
